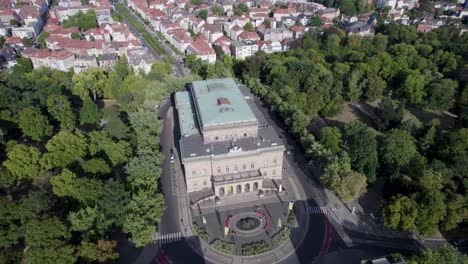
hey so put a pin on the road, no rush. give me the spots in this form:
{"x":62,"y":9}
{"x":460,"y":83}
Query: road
{"x":178,"y":70}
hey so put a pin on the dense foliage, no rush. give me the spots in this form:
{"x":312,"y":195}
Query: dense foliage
{"x":77,"y":168}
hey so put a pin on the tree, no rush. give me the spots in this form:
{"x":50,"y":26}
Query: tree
{"x":144,"y":212}
{"x":388,"y":116}
{"x":456,"y":211}
{"x":330,"y":137}
{"x":23,"y":161}
{"x":380,"y":42}
{"x":60,"y":109}
{"x":2,"y":41}
{"x":75,"y":35}
{"x":89,"y":113}
{"x":218,"y":10}
{"x":100,"y":252}
{"x":412,"y":88}
{"x":267,"y":23}
{"x":355,"y":85}
{"x":196,"y":2}
{"x":362,"y":147}
{"x":339,"y":177}
{"x":143,"y":172}
{"x":446,"y":254}
{"x":67,"y":184}
{"x":241,"y":9}
{"x":56,"y":252}
{"x":400,"y":212}
{"x":92,"y":80}
{"x":42,"y":38}
{"x":248,"y":27}
{"x":203,"y":14}
{"x":64,"y":148}
{"x":27,"y":42}
{"x":347,"y":7}
{"x":315,"y":21}
{"x":112,"y":201}
{"x":146,"y":126}
{"x":398,"y":148}
{"x":441,"y":94}
{"x":42,"y":233}
{"x":96,"y":166}
{"x":116,"y":152}
{"x":375,"y":87}
{"x":34,"y":124}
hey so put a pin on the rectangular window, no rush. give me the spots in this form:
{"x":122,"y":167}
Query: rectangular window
{"x":252,"y":165}
{"x":244,"y":166}
{"x":274,"y":161}
{"x":195,"y":184}
{"x":227,"y":168}
{"x":216,"y":138}
{"x":273,"y":172}
{"x":194,"y":173}
{"x":235,"y":168}
{"x":265,"y":173}
{"x":219,"y":169}
{"x":266,"y":163}
{"x":204,"y":182}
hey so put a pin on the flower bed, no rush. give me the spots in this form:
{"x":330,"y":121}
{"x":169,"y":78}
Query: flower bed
{"x":200,"y":232}
{"x":281,"y":236}
{"x":223,"y":246}
{"x":255,"y":248}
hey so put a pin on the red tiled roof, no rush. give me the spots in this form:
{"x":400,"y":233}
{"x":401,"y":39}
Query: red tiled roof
{"x":297,"y":29}
{"x":222,"y":39}
{"x":201,"y":47}
{"x":285,"y":11}
{"x":7,"y":12}
{"x":248,"y":35}
{"x":258,"y":10}
{"x":13,"y":40}
{"x":44,"y":53}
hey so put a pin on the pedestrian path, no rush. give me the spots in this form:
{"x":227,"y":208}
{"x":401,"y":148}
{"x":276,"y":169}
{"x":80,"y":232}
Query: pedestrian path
{"x":317,"y":210}
{"x":169,"y":238}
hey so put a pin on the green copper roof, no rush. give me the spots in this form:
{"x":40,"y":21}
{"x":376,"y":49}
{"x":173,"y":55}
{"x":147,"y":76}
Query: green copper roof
{"x":219,"y":101}
{"x":186,"y":114}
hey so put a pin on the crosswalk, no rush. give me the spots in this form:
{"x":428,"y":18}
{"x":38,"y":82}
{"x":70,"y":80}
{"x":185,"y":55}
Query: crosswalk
{"x":169,"y":238}
{"x":317,"y":210}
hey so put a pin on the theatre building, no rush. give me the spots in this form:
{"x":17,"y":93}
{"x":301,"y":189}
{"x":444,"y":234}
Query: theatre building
{"x":227,"y":148}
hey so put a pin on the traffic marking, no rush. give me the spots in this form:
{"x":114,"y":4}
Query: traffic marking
{"x":317,"y":210}
{"x":169,"y":238}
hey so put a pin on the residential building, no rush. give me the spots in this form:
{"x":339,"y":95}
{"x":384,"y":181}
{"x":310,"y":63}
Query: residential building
{"x":108,"y":60}
{"x":243,"y":49}
{"x":30,"y":30}
{"x":248,"y":36}
{"x":330,"y":13}
{"x":298,"y":31}
{"x":361,"y":29}
{"x":202,"y":50}
{"x":60,"y":60}
{"x":84,"y":62}
{"x":275,"y":34}
{"x":140,"y":59}
{"x":226,"y":146}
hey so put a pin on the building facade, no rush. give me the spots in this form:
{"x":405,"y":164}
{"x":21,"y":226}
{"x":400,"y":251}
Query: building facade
{"x":226,"y":146}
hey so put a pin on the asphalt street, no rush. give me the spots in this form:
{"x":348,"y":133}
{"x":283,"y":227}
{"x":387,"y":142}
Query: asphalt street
{"x":178,"y":69}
